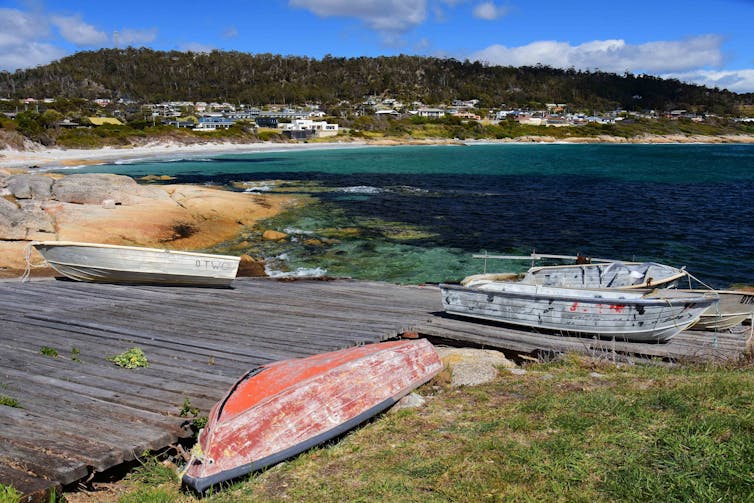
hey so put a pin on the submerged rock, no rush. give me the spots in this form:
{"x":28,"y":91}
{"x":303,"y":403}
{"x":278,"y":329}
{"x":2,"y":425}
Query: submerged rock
{"x":271,"y":235}
{"x":249,"y":266}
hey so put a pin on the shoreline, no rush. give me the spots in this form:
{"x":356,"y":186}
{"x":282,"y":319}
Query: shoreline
{"x":63,"y":159}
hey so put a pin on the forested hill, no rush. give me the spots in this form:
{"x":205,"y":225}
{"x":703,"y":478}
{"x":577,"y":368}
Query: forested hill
{"x":154,"y":76}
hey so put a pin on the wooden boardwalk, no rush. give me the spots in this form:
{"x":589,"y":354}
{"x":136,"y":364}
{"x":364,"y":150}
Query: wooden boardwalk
{"x":78,"y":414}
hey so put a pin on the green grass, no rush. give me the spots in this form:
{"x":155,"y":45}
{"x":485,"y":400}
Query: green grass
{"x":560,"y":432}
{"x":9,"y":494}
{"x":9,"y":401}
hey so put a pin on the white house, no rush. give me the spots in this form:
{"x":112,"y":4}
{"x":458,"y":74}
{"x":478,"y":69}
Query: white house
{"x":320,"y":128}
{"x":432,"y":113}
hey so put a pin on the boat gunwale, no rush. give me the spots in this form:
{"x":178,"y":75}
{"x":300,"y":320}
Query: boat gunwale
{"x":128,"y":247}
{"x":641,"y":300}
{"x":602,"y":333}
{"x":201,"y":484}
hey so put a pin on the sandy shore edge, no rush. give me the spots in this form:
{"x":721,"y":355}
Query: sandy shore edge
{"x":59,"y":158}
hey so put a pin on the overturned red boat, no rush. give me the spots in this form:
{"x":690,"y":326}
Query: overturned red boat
{"x":284,"y":408}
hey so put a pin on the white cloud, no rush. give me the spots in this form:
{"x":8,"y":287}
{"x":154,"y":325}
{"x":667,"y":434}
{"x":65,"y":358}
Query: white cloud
{"x":612,"y":55}
{"x":197,"y":47}
{"x":230,"y":32}
{"x":392,"y":16}
{"x":19,"y":41}
{"x":16,"y":26}
{"x":28,"y":55}
{"x":131,"y":37}
{"x":489,"y":11}
{"x":738,"y":81}
{"x":77,"y":31}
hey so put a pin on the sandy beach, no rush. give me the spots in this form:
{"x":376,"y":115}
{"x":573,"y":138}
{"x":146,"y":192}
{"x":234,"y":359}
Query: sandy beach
{"x":59,"y":158}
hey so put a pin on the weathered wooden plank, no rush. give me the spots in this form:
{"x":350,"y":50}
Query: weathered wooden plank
{"x":131,"y":437}
{"x":39,"y":460}
{"x":88,"y":452}
{"x":505,"y":337}
{"x":34,"y":489}
{"x":139,"y":397}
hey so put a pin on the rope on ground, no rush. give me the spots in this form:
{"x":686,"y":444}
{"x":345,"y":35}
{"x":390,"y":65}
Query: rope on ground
{"x":29,"y":266}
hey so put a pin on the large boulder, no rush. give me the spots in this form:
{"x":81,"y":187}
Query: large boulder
{"x":10,"y":218}
{"x":27,"y":221}
{"x":29,"y":186}
{"x":94,"y":188}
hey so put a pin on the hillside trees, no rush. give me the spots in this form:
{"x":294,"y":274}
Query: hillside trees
{"x":153,"y":76}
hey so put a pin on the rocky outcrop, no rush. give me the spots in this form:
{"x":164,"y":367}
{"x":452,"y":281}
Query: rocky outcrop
{"x":113,"y":209}
{"x":24,"y":221}
{"x":97,"y":188}
{"x":29,"y":186}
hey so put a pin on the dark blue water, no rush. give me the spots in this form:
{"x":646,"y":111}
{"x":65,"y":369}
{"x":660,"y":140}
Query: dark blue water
{"x":417,"y":214}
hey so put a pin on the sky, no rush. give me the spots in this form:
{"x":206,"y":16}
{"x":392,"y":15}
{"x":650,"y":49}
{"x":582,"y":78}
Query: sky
{"x":708,"y":42}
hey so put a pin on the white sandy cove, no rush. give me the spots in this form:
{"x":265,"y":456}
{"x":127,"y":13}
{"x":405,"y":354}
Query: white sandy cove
{"x":55,"y":158}
{"x":71,"y":158}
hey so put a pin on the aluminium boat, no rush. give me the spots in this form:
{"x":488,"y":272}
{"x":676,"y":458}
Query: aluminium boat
{"x":630,"y":315}
{"x":136,"y":265}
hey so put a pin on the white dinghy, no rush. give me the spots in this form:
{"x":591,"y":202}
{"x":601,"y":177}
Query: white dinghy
{"x":131,"y":264}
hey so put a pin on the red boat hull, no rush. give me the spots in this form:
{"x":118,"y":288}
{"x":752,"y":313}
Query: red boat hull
{"x":282,"y":409}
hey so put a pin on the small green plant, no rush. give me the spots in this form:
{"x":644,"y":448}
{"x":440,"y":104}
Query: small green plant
{"x":48,"y":351}
{"x":75,"y":352}
{"x":131,"y":359}
{"x":187,"y":410}
{"x":8,"y":401}
{"x":9,"y":494}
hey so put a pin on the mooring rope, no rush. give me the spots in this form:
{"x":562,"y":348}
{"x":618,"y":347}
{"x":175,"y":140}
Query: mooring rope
{"x":29,"y":266}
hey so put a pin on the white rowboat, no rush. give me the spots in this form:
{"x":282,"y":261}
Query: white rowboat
{"x":623,"y":275}
{"x":621,"y":314}
{"x":131,"y":264}
{"x":734,"y":308}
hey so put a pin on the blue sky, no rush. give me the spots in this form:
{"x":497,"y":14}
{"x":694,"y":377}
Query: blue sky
{"x":709,"y":42}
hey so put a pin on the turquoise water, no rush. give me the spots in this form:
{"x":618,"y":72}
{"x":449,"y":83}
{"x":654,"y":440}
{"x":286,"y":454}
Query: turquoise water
{"x":417,"y":214}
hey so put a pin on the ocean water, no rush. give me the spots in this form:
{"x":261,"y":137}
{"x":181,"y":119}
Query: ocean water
{"x":417,"y":214}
